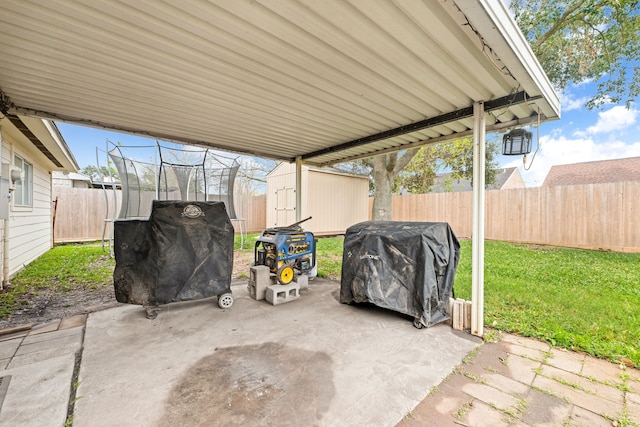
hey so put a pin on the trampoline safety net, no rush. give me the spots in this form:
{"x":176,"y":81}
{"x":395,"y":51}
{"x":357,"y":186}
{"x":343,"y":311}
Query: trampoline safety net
{"x":165,"y":173}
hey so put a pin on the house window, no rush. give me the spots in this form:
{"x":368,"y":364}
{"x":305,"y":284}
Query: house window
{"x":23,"y":187}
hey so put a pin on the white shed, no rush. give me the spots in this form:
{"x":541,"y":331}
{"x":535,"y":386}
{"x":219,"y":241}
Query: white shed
{"x":334,"y":199}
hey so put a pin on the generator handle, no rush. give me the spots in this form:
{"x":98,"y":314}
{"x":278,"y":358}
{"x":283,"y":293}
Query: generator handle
{"x":293,"y":228}
{"x":295,"y":224}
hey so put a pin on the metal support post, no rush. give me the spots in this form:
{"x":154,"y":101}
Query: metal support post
{"x":477,"y":238}
{"x":298,"y":188}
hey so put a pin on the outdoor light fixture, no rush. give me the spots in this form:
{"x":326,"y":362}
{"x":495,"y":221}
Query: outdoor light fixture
{"x":517,"y":142}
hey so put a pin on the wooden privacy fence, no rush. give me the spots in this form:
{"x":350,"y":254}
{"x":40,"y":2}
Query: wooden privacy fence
{"x":595,"y":216}
{"x":80,"y":213}
{"x":254,"y":210}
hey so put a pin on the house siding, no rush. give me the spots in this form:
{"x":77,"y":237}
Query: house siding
{"x":514,"y":181}
{"x":30,"y":226}
{"x":63,"y":182}
{"x":5,"y":155}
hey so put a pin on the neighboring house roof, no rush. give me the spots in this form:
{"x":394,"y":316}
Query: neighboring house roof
{"x":44,"y":138}
{"x":507,"y":178}
{"x":106,"y":182}
{"x":72,"y":176}
{"x":597,"y":172}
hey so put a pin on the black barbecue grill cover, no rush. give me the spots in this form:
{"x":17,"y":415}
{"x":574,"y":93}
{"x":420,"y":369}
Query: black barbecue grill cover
{"x":407,"y":267}
{"x":183,"y":252}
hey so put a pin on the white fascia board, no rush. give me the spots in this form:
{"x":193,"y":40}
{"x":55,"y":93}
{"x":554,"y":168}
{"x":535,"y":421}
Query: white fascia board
{"x":48,"y":134}
{"x":492,"y":20}
{"x":62,"y":145}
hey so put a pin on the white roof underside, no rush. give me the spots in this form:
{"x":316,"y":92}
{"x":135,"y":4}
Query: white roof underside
{"x":326,"y":80}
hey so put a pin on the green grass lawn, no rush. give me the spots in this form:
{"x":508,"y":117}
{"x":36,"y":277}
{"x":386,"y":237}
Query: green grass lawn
{"x":576,"y":299}
{"x":79,"y":266}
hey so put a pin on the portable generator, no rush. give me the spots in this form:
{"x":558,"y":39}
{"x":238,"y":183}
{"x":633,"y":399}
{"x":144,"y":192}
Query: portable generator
{"x":287,"y":251}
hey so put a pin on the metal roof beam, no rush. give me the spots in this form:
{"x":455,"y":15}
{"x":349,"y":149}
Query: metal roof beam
{"x":496,"y":127}
{"x":463,"y":113}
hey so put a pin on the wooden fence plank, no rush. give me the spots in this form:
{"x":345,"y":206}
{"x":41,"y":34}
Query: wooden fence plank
{"x":595,"y":216}
{"x":80,"y":213}
{"x":254,"y":210}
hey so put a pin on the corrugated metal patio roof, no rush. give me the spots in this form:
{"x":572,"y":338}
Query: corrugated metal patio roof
{"x":327,"y":80}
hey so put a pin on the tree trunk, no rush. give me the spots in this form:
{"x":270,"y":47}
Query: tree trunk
{"x":383,"y":179}
{"x":385,"y":168}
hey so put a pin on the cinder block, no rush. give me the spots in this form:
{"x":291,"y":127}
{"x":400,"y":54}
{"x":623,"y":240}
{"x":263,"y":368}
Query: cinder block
{"x":279,"y":294}
{"x":258,"y":281}
{"x":303,"y":281}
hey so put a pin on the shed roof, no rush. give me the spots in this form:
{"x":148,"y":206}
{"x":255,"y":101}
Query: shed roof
{"x":326,"y":81}
{"x":597,"y":172}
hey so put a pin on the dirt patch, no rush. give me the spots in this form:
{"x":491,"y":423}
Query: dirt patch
{"x":78,"y":299}
{"x":241,"y":264}
{"x":53,"y":305}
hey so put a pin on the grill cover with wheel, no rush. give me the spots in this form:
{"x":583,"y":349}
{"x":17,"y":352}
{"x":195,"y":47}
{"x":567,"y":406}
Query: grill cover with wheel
{"x":183,"y":252}
{"x":407,"y":267}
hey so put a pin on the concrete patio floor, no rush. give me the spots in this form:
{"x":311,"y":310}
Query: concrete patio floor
{"x":312,"y":361}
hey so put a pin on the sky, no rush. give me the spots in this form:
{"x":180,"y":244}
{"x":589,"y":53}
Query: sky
{"x":581,"y":135}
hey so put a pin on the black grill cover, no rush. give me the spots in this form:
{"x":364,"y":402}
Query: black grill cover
{"x":183,"y":252}
{"x":406,"y":267}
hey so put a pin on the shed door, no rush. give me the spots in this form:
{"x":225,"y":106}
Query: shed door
{"x":285,"y":206}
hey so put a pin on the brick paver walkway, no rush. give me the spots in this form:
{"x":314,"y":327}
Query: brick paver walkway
{"x":523,"y":382}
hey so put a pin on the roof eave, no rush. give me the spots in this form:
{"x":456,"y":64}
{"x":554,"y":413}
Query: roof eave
{"x":514,"y":51}
{"x":46,"y":140}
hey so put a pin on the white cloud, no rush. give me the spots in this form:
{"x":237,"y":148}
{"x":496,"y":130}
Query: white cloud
{"x":612,"y":120}
{"x":568,"y":103}
{"x":560,"y":150}
{"x":583,"y":82}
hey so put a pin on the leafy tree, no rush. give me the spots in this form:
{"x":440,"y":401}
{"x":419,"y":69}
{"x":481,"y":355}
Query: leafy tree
{"x":419,"y":175}
{"x":579,"y":40}
{"x":98,"y":174}
{"x":456,"y":156}
{"x":252,"y":175}
{"x":575,"y":41}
